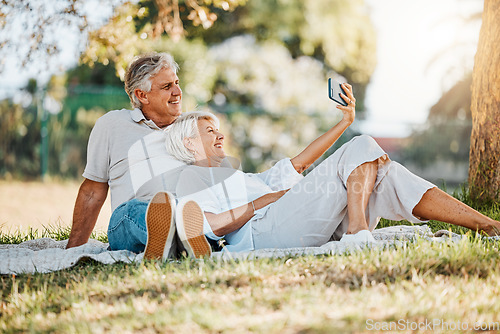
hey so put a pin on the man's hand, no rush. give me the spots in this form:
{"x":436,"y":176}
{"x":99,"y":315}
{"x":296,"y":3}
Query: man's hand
{"x":89,"y":201}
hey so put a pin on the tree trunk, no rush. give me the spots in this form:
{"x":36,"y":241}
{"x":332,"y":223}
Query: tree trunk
{"x":484,"y":163}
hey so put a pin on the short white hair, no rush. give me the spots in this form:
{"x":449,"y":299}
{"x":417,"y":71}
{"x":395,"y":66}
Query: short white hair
{"x":185,"y":126}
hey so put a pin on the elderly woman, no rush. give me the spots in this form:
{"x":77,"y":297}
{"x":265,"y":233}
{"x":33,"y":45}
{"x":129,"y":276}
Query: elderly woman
{"x":343,"y":198}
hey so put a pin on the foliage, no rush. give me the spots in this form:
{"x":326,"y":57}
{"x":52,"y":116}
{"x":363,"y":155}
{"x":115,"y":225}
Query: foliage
{"x":336,"y":32}
{"x":36,"y":21}
{"x":68,"y":134}
{"x":20,"y":139}
{"x":135,"y":27}
{"x":44,"y":24}
{"x":169,"y":15}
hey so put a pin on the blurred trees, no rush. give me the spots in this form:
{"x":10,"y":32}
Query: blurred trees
{"x":484,"y":163}
{"x":42,"y":23}
{"x":338,"y":33}
{"x":262,"y":65}
{"x":446,"y":134}
{"x":19,"y":139}
{"x":28,"y":27}
{"x":71,"y":113}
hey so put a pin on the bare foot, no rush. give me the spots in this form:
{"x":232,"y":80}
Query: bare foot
{"x":356,"y":228}
{"x":493,"y":229}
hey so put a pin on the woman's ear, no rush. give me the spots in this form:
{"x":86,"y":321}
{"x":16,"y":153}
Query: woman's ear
{"x":188,"y":143}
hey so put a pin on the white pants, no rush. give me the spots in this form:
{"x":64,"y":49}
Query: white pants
{"x":314,"y":211}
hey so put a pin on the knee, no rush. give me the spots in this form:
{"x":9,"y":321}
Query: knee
{"x":366,"y":143}
{"x":365,"y":140}
{"x":127,"y":226}
{"x":133,"y":208}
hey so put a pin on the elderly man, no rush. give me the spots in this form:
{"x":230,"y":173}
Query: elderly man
{"x":126,"y":154}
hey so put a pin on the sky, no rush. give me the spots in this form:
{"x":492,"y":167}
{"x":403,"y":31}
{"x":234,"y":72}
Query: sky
{"x":416,"y":62}
{"x":406,"y":82}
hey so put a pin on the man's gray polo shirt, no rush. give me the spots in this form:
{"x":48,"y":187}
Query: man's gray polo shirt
{"x":128,"y":152}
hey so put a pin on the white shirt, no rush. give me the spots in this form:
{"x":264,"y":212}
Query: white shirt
{"x":128,"y":152}
{"x":220,"y":189}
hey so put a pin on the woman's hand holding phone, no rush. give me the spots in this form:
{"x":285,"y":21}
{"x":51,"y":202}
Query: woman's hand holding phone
{"x":319,"y":146}
{"x":343,"y":95}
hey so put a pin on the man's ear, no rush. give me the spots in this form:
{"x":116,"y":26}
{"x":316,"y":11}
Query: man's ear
{"x":142,"y":96}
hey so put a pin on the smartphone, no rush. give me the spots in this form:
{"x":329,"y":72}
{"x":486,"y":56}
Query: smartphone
{"x":334,"y":91}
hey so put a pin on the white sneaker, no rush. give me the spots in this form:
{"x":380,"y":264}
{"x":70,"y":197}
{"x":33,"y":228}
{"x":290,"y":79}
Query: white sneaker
{"x":363,"y":236}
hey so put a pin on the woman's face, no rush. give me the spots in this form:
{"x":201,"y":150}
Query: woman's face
{"x":209,"y":145}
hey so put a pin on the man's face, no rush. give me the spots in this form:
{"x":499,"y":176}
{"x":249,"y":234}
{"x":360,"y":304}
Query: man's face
{"x":163,"y":101}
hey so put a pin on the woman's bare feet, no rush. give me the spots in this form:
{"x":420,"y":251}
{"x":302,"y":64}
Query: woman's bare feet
{"x":493,"y":229}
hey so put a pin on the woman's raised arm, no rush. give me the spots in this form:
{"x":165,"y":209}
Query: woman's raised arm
{"x":319,"y":146}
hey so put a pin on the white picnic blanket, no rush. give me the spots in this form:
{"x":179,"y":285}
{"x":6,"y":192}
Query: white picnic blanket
{"x":46,"y":255}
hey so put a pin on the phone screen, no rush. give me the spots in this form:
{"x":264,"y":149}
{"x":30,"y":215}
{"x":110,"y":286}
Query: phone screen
{"x":334,"y":90}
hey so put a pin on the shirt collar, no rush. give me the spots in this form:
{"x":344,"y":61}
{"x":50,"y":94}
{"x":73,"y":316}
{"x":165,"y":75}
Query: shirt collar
{"x":138,"y":117}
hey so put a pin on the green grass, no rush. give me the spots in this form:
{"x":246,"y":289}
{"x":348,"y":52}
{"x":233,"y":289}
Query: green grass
{"x":49,"y":231}
{"x":452,"y":282}
{"x":324,"y":294}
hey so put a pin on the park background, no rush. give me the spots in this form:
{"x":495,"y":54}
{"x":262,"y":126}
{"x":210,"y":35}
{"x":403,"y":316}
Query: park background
{"x":261,"y":65}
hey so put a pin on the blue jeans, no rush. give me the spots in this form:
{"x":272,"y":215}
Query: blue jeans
{"x":127,"y":227}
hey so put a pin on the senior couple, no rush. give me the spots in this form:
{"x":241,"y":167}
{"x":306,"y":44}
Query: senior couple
{"x":173,"y":190}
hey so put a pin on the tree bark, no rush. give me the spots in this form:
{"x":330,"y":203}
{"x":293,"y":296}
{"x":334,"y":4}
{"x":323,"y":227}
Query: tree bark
{"x":484,"y":164}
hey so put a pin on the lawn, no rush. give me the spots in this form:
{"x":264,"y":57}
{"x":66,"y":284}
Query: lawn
{"x":419,"y":286}
{"x":26,"y":205}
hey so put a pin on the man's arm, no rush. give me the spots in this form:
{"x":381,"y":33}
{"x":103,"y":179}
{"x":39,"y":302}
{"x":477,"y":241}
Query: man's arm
{"x":89,"y":201}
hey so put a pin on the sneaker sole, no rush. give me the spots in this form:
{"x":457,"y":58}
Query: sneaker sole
{"x":190,"y":230}
{"x":160,"y":226}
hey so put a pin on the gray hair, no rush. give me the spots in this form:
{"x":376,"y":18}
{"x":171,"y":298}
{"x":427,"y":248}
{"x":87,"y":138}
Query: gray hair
{"x":185,"y":126}
{"x":142,"y":69}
